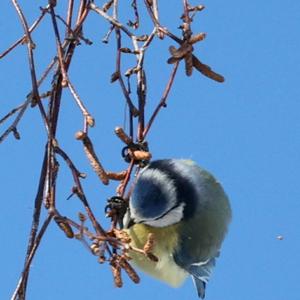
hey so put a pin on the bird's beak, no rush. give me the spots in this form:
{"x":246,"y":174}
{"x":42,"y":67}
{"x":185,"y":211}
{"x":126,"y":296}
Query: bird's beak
{"x":127,"y":220}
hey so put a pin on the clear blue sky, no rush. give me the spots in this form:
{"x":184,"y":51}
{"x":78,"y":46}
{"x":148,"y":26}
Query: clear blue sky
{"x":245,"y":131}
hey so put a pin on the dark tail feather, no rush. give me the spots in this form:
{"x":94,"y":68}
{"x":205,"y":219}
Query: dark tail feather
{"x":200,"y":285}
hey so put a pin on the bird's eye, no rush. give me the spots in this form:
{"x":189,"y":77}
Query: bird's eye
{"x":169,"y":210}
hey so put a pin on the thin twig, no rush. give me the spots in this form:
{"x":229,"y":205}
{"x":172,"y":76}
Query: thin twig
{"x":35,"y":222}
{"x":141,"y":81}
{"x":25,"y":105}
{"x":31,"y":29}
{"x":79,"y":191}
{"x":86,"y":114}
{"x":163,"y":100}
{"x":69,"y":17}
{"x":59,"y":48}
{"x":11,"y":113}
{"x":30,"y":46}
{"x":110,"y":19}
{"x":12,"y":127}
{"x":19,"y":292}
{"x":133,"y":110}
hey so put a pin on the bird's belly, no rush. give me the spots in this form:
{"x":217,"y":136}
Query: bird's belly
{"x":164,"y":243}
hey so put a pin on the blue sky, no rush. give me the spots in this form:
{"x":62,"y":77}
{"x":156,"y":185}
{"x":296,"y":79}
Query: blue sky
{"x":245,"y":131}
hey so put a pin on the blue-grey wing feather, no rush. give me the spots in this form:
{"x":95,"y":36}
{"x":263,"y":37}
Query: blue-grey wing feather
{"x":201,"y":273}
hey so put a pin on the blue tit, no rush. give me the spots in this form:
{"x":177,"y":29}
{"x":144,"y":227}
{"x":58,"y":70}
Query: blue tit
{"x":187,"y":211}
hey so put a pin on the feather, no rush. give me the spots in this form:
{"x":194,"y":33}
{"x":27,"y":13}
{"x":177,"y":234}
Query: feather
{"x":200,"y":286}
{"x":201,"y":273}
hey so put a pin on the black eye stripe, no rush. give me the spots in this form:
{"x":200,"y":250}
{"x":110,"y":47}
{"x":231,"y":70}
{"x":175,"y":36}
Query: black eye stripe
{"x":183,"y":185}
{"x":161,"y":216}
{"x":164,"y":214}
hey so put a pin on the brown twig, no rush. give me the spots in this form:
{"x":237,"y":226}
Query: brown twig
{"x":59,"y":48}
{"x":92,"y":157}
{"x":116,"y":176}
{"x":30,"y":30}
{"x":13,"y":127}
{"x":79,"y":190}
{"x":53,"y":116}
{"x":122,"y":187}
{"x":30,"y":46}
{"x":133,"y":110}
{"x":163,"y":100}
{"x":69,"y":17}
{"x":20,"y":290}
{"x":141,"y":82}
{"x":136,"y":23}
{"x":123,"y":136}
{"x":110,"y":19}
{"x":25,"y":105}
{"x":11,"y":113}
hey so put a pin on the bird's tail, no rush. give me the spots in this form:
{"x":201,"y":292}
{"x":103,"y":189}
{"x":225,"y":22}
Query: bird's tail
{"x":201,"y":273}
{"x":200,"y":286}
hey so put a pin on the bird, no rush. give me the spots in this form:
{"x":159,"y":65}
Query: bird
{"x":187,"y":211}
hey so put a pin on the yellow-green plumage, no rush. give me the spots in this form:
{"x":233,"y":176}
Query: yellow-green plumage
{"x":165,"y":241}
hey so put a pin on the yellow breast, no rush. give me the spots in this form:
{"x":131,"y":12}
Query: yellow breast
{"x":165,"y":241}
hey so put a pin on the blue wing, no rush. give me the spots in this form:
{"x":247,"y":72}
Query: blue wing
{"x":200,"y":273}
